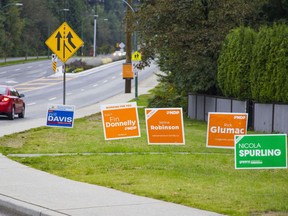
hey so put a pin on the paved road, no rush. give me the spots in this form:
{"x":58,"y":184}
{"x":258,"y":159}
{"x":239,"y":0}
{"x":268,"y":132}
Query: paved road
{"x":41,"y":87}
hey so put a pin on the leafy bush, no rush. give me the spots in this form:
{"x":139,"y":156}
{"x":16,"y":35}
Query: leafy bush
{"x":254,"y":65}
{"x":269,"y":77}
{"x":77,"y":66}
{"x":165,"y":95}
{"x":234,"y":63}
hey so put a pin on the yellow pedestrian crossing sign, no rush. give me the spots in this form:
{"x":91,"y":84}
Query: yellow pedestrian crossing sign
{"x":136,"y":56}
{"x":64,"y":42}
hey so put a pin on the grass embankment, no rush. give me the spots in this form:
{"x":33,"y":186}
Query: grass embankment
{"x":191,"y":175}
{"x":23,"y":61}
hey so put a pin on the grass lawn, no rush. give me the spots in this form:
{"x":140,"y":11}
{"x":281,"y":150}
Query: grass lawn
{"x":191,"y":175}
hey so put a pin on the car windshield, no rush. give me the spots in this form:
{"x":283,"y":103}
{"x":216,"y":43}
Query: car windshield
{"x":2,"y":90}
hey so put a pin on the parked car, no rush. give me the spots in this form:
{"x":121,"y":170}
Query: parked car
{"x":11,"y":102}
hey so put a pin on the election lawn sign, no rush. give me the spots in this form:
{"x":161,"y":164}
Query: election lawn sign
{"x":60,"y":116}
{"x":268,"y":151}
{"x":222,"y":127}
{"x":165,"y":126}
{"x":120,"y":121}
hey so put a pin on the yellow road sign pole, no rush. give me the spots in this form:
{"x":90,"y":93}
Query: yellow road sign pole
{"x":64,"y":42}
{"x":64,"y":83}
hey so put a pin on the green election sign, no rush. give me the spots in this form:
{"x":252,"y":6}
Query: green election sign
{"x":261,"y":151}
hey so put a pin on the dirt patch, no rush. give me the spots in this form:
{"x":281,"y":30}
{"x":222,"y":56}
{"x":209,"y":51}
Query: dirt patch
{"x":14,"y":143}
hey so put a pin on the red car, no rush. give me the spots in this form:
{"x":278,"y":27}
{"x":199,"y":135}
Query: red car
{"x":11,"y":102}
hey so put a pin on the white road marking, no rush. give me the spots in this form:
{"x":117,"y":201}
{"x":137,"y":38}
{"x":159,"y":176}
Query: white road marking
{"x":105,"y":81}
{"x":95,"y":85}
{"x":113,"y":77}
{"x":30,"y":104}
{"x":11,"y":82}
{"x":82,"y":89}
{"x":52,"y":98}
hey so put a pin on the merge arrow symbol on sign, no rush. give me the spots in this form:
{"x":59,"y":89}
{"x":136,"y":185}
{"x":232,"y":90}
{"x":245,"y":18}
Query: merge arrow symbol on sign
{"x":58,"y":36}
{"x":70,"y":36}
{"x":64,"y":42}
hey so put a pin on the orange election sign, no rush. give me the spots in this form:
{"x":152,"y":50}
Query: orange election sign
{"x":222,"y":127}
{"x":165,"y":126}
{"x":120,"y":121}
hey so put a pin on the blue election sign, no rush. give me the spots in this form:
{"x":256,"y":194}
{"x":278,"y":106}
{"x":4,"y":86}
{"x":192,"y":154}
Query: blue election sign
{"x":60,"y":116}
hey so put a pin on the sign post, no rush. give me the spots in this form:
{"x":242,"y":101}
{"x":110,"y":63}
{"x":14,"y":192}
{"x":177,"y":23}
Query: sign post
{"x":64,"y":42}
{"x":136,"y":57}
{"x":267,"y":151}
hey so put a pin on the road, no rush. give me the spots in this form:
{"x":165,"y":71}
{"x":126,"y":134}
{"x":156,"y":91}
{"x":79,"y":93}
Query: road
{"x":42,"y":87}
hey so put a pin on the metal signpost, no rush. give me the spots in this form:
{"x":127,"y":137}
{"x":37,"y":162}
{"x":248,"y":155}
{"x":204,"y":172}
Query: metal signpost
{"x":64,"y":42}
{"x":136,"y":57}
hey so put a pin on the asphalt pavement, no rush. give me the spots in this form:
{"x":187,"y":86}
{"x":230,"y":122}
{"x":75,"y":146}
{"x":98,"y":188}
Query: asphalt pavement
{"x":33,"y":192}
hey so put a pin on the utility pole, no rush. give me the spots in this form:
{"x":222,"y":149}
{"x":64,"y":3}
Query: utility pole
{"x":128,"y":45}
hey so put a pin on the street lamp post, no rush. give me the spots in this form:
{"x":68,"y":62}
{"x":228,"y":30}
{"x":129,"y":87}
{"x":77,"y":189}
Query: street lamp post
{"x":95,"y":34}
{"x":95,"y":30}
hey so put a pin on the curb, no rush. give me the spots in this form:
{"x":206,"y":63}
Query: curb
{"x":22,"y":207}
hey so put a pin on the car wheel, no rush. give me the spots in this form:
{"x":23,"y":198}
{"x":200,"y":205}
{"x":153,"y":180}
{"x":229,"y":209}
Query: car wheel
{"x":22,"y":114}
{"x":11,"y":115}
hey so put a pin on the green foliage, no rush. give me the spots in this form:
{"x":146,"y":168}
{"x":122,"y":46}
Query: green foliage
{"x":269,"y":78}
{"x":254,"y":65}
{"x":166,"y":96}
{"x":234,"y":63}
{"x":275,"y":10}
{"x":24,"y":29}
{"x":77,"y":66}
{"x":186,"y":37}
{"x":190,"y":174}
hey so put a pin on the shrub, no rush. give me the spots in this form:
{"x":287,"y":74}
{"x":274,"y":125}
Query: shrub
{"x":234,"y":63}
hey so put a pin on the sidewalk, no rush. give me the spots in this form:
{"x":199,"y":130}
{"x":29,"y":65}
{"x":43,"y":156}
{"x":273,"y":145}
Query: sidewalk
{"x":34,"y":192}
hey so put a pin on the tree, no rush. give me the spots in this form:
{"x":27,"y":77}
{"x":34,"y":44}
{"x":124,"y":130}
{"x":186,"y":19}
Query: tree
{"x":268,"y":77}
{"x":275,"y":10}
{"x":12,"y":28}
{"x":186,"y":37}
{"x":234,"y":63}
{"x":37,"y":26}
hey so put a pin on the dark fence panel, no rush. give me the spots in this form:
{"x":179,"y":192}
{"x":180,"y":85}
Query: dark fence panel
{"x":262,"y":117}
{"x":280,"y":118}
{"x":200,"y":105}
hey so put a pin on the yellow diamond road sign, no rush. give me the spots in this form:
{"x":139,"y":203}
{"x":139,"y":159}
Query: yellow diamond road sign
{"x":64,"y":42}
{"x":136,"y":56}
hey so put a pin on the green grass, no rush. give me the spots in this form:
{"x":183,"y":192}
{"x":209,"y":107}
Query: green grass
{"x":7,"y":63}
{"x":191,"y":175}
